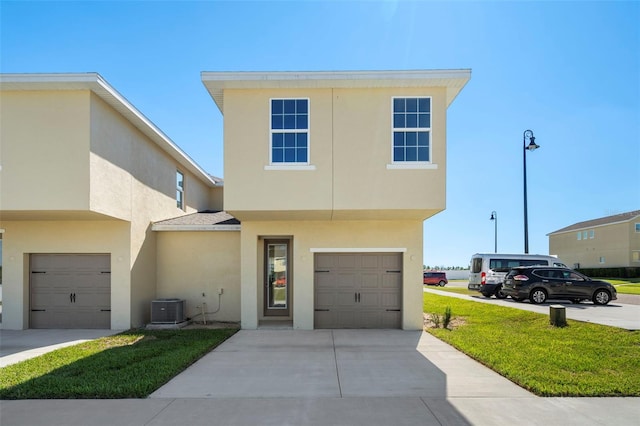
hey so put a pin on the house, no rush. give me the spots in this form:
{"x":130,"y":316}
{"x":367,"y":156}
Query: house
{"x":332,"y":175}
{"x":84,"y":176}
{"x":318,"y":224}
{"x":611,"y":241}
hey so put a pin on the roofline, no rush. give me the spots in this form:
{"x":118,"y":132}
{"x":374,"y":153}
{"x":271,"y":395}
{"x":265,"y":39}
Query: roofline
{"x":560,"y":231}
{"x":215,"y":82}
{"x":617,"y":222}
{"x":158,"y":227}
{"x":97,"y":84}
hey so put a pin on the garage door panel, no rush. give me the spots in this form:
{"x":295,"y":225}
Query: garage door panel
{"x":370,"y":261}
{"x":369,"y":299}
{"x":390,"y":300}
{"x":345,"y":262}
{"x":370,"y":280}
{"x":70,"y":291}
{"x":391,"y":319}
{"x":346,"y":279}
{"x":366,"y":290}
{"x":392,"y":281}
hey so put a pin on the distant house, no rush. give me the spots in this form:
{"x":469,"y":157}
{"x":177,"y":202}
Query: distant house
{"x":612,"y":241}
{"x":328,"y":179}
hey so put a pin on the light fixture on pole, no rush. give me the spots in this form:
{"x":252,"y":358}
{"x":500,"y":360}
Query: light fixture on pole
{"x":494,"y":217}
{"x":532,"y":146}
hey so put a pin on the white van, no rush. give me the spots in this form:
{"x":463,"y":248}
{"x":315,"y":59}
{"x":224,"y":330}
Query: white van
{"x":487,"y":270}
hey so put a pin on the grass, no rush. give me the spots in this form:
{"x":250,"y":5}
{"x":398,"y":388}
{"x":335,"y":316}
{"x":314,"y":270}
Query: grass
{"x":458,"y":290}
{"x":132,"y":364}
{"x":626,"y":286}
{"x":581,"y":359}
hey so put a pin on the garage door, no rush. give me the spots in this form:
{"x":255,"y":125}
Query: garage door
{"x":70,"y":291}
{"x":358,"y":290}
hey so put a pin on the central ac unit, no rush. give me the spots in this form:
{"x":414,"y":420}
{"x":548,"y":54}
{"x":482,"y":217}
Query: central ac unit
{"x":167,"y":311}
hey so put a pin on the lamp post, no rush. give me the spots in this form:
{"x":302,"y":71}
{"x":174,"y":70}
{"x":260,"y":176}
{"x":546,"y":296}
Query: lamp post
{"x":528,"y":134}
{"x":494,"y":217}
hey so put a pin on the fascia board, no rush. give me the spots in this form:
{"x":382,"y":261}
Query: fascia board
{"x":217,"y":82}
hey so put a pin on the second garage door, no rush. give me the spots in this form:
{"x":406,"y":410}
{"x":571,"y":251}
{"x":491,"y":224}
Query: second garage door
{"x":358,"y":290}
{"x":70,"y":291}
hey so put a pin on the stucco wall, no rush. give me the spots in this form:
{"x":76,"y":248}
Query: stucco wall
{"x":613,"y":242}
{"x":25,"y":237}
{"x":405,"y":236}
{"x":191,"y":264}
{"x":68,"y":155}
{"x":350,"y":147}
{"x":44,"y":151}
{"x":248,"y":186}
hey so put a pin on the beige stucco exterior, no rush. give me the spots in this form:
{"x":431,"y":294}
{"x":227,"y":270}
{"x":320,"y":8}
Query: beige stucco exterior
{"x":605,"y":246}
{"x":350,"y":197}
{"x":83,"y":171}
{"x":78,"y":176}
{"x":194,"y":266}
{"x":350,"y":149}
{"x":309,"y":237}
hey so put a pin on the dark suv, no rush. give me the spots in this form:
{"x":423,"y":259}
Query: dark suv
{"x":539,"y":284}
{"x":435,"y":278}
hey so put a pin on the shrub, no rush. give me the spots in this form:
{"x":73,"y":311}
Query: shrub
{"x":447,"y":317}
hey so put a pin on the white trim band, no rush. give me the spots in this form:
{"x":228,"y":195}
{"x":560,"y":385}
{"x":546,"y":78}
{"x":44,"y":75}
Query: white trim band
{"x":358,"y":250}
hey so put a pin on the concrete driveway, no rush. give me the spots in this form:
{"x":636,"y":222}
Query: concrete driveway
{"x":336,"y":364}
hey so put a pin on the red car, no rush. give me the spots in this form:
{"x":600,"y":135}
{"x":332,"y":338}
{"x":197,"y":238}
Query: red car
{"x":435,"y":278}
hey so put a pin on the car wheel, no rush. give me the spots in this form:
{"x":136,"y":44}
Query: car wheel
{"x":517,"y":299}
{"x":538,"y":296}
{"x":601,"y":297}
{"x":500,"y":294}
{"x":441,"y":283}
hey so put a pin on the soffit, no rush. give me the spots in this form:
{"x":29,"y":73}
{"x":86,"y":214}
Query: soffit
{"x":217,"y":82}
{"x":95,"y":83}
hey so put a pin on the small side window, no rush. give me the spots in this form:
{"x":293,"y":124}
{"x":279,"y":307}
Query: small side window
{"x":180,"y":190}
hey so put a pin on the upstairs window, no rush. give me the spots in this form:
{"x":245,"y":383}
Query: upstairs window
{"x":289,"y":131}
{"x":412,"y":130}
{"x":180,"y":190}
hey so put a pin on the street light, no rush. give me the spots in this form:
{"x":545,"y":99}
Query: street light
{"x":494,"y":217}
{"x":531,"y":147}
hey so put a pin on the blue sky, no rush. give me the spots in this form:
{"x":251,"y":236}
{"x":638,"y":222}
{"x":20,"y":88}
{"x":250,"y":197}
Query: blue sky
{"x":569,"y":71}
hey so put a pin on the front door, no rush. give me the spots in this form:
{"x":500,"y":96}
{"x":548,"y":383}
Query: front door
{"x":277,"y":278}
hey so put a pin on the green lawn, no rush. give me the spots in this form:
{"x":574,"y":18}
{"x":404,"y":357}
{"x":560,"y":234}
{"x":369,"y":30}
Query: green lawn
{"x":581,"y":359}
{"x":625,"y":286}
{"x":128,"y":365}
{"x":458,"y":290}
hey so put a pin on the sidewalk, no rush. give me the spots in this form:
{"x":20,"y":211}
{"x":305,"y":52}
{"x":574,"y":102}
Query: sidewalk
{"x":331,"y":377}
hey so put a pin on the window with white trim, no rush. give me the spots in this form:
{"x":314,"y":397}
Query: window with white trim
{"x":592,"y":234}
{"x":637,"y":227}
{"x":411,"y":118}
{"x":289,"y":135}
{"x":180,"y":190}
{"x":579,"y":235}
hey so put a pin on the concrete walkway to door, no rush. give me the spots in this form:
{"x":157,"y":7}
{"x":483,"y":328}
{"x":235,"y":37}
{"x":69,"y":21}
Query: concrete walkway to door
{"x":331,"y":377}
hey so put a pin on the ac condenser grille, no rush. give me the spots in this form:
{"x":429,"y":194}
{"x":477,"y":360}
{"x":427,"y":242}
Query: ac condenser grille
{"x":167,"y":311}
